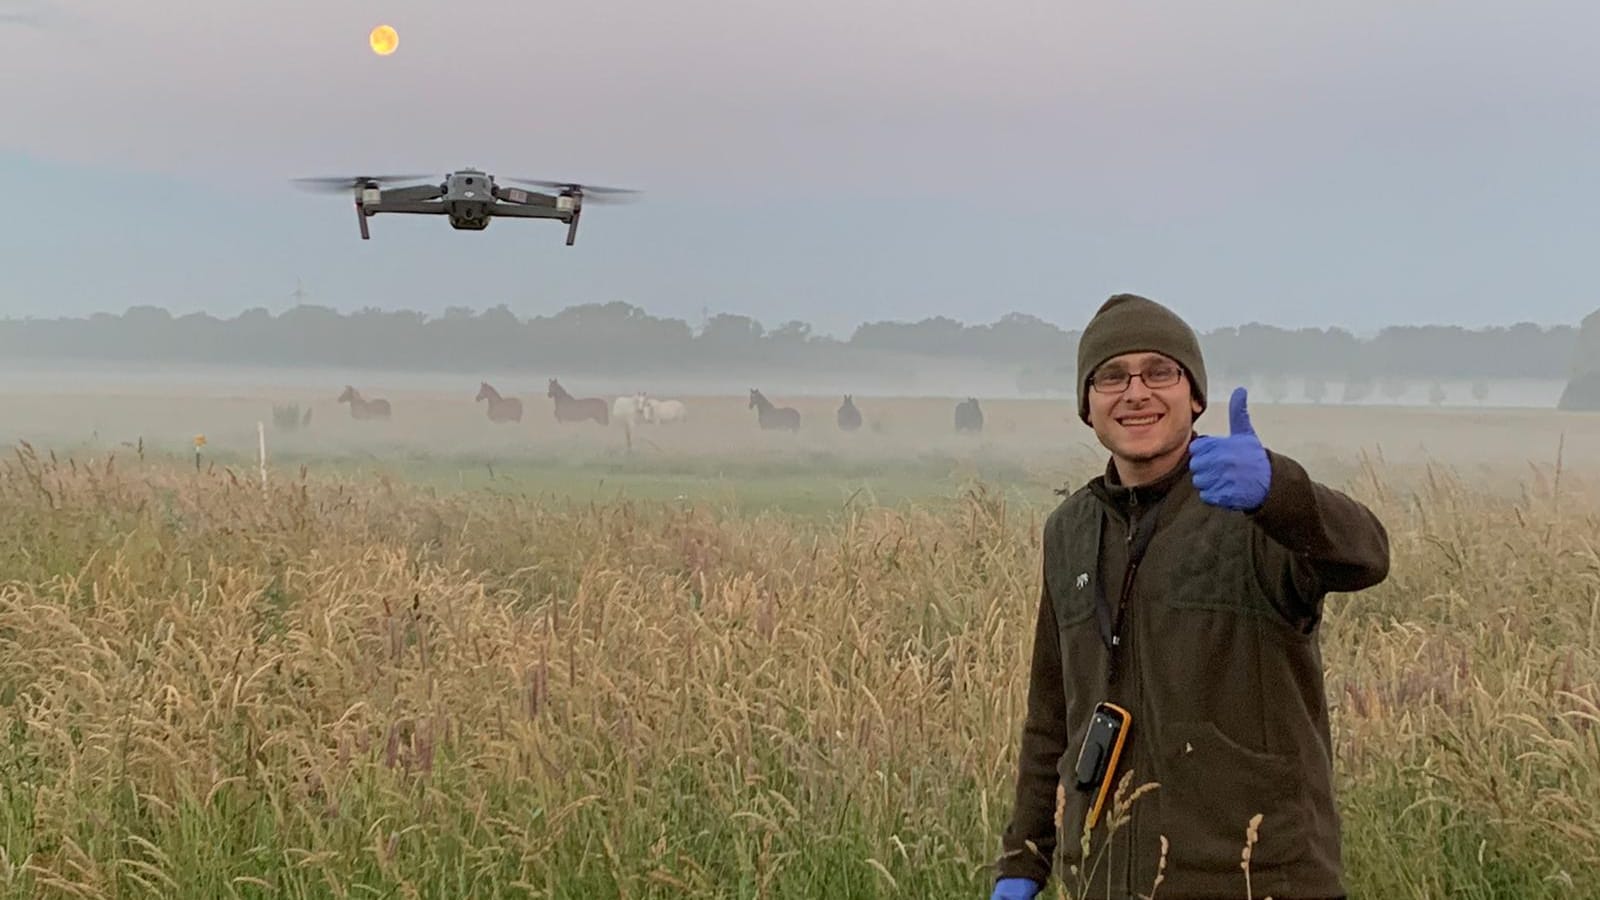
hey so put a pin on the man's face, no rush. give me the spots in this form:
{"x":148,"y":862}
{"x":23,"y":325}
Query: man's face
{"x":1140,"y":424}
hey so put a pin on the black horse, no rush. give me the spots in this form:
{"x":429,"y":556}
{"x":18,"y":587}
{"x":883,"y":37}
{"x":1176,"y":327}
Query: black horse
{"x":968,"y":416}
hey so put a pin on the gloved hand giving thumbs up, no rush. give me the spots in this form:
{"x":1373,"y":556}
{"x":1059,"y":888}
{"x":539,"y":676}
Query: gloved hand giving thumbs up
{"x":1015,"y":889}
{"x":1232,"y":472}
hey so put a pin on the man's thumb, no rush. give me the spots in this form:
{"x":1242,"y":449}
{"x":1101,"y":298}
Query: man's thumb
{"x":1238,"y":414}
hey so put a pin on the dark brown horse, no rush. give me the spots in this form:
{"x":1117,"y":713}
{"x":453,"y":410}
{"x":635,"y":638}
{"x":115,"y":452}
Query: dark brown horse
{"x":968,"y":416}
{"x":572,"y":409}
{"x":360,"y":408}
{"x":501,"y":409}
{"x":849,"y":417}
{"x":773,"y":418}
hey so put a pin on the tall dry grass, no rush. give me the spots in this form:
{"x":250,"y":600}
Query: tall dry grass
{"x":355,"y":689}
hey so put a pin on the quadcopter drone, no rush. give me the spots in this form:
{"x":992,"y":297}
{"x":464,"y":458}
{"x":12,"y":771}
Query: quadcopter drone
{"x":469,"y":197}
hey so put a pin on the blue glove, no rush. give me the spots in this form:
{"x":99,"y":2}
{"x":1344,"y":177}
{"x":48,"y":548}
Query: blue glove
{"x":1015,"y":889}
{"x":1232,"y":472}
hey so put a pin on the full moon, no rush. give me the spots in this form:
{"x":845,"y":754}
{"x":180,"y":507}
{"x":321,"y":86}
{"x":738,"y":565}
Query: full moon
{"x":384,"y":40}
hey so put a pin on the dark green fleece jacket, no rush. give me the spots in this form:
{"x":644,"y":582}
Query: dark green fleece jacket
{"x":1219,"y":665}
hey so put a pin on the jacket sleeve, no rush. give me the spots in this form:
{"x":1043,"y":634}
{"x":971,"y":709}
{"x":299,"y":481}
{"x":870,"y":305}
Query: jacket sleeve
{"x":1312,"y":540}
{"x":1044,"y":739}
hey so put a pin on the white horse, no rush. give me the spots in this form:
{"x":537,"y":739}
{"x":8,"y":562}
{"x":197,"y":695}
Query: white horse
{"x":626,"y":410}
{"x":649,"y":409}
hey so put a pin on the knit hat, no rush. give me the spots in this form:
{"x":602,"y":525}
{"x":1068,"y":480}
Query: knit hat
{"x":1128,"y":323}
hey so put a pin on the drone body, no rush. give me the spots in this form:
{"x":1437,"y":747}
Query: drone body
{"x":469,"y":197}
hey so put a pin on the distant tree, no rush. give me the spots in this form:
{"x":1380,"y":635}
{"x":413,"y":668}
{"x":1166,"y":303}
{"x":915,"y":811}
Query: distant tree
{"x":1236,"y":375}
{"x":732,"y":334}
{"x":1394,"y":387}
{"x":1436,"y":394}
{"x":1480,"y":390}
{"x":1357,"y":388}
{"x":1276,"y":386}
{"x":1316,"y":388}
{"x":791,"y":332}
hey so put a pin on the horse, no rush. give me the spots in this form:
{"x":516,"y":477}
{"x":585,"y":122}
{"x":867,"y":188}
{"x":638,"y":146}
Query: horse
{"x":501,"y":409}
{"x":773,"y":418}
{"x":571,"y":409}
{"x":627,"y":410}
{"x":654,"y":411}
{"x":849,"y":417}
{"x":968,"y":416}
{"x":360,"y":408}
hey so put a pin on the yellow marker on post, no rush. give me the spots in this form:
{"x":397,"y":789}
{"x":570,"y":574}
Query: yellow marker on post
{"x":199,"y":441}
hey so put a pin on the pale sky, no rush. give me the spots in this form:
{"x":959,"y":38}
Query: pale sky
{"x":1357,"y":164}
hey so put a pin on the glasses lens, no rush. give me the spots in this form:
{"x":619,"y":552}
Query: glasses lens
{"x":1111,"y":382}
{"x":1162,"y":376}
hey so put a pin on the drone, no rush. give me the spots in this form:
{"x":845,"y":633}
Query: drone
{"x":470,"y":197}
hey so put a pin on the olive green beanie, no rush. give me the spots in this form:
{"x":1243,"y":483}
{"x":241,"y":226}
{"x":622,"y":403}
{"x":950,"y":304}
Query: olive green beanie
{"x":1128,"y":323}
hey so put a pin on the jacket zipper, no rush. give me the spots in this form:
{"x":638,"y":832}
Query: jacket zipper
{"x":1133,"y":673}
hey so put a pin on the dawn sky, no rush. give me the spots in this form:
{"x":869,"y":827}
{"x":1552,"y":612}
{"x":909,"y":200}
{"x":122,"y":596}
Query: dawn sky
{"x":1357,"y":164}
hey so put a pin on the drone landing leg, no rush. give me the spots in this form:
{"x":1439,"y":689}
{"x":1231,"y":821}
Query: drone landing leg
{"x":572,"y":227}
{"x":361,"y":217}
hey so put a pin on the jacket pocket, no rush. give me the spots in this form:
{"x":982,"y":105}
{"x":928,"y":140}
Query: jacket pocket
{"x":1211,"y":787}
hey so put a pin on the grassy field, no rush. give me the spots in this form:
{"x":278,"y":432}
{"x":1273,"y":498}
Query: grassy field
{"x":442,"y":659}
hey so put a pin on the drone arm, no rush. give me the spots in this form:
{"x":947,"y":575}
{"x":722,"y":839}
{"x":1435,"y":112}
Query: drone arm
{"x":411,"y":194}
{"x":531,"y":205}
{"x":519,"y":211}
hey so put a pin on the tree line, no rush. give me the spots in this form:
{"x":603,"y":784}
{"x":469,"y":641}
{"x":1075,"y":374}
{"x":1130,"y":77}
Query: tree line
{"x":622,"y":338}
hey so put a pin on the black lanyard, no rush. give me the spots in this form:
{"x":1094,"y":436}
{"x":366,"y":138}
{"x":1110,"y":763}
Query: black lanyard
{"x":1111,"y":622}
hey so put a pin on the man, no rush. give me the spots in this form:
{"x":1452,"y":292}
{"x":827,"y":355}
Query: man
{"x":1201,"y":624}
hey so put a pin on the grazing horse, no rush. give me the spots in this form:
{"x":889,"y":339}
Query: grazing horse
{"x":360,"y":408}
{"x":773,"y":418}
{"x":849,"y":417}
{"x":571,"y":409}
{"x":659,"y":412}
{"x":501,"y":409}
{"x":968,"y":416}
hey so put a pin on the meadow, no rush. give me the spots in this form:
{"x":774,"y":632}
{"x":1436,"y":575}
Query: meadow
{"x":440,"y":658}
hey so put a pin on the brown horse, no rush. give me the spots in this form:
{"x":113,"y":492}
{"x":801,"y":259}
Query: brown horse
{"x":572,"y":409}
{"x":849,"y":416}
{"x":501,"y":409}
{"x":773,"y":418}
{"x":360,"y":408}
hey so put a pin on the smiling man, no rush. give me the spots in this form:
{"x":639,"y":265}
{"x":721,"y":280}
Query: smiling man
{"x":1176,"y":643}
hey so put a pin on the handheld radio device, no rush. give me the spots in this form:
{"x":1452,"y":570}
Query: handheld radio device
{"x":1097,"y":758}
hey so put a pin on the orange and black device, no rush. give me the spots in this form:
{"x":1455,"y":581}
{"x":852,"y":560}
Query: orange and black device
{"x":1097,"y":758}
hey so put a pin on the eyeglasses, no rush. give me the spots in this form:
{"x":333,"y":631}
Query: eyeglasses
{"x":1115,"y":381}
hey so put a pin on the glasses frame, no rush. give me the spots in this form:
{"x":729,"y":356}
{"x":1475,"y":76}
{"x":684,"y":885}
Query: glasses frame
{"x":1094,"y":380}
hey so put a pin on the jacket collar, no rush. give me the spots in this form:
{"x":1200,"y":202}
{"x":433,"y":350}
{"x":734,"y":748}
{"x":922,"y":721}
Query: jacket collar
{"x":1108,"y":487}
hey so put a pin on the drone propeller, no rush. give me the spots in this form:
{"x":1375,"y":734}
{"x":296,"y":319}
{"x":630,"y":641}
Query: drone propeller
{"x":333,"y":184}
{"x":592,"y":193}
